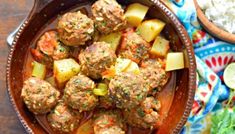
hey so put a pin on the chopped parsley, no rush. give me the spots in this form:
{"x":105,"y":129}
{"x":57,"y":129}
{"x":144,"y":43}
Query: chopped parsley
{"x":140,"y":112}
{"x":61,"y":49}
{"x":104,"y":23}
{"x":139,"y":97}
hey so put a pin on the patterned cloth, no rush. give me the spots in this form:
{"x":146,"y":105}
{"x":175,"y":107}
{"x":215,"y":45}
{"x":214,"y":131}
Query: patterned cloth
{"x":212,"y":56}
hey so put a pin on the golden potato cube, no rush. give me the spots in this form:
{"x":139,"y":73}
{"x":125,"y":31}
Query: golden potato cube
{"x":65,"y":69}
{"x":113,"y":39}
{"x":122,"y":64}
{"x":174,"y":61}
{"x":135,"y":13}
{"x":160,"y":47}
{"x":149,"y":29}
{"x":126,"y":65}
{"x":133,"y":67}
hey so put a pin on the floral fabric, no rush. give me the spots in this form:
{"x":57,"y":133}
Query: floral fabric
{"x":212,"y":56}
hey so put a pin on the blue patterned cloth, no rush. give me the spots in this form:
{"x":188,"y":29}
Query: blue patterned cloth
{"x":212,"y":56}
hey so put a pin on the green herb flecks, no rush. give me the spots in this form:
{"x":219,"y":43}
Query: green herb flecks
{"x":104,"y":23}
{"x":140,"y":97}
{"x":62,"y":49}
{"x":140,"y":112}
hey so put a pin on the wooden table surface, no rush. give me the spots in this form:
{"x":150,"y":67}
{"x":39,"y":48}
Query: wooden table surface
{"x":12,"y":12}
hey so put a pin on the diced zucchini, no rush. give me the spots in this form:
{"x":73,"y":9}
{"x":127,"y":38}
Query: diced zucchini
{"x":174,"y":61}
{"x":113,"y":39}
{"x":135,"y":13}
{"x":101,"y":90}
{"x":149,"y":29}
{"x":65,"y":69}
{"x":102,"y":86}
{"x":39,"y":70}
{"x":160,"y":47}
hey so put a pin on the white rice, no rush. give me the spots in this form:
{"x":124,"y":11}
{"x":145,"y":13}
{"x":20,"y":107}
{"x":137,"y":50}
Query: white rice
{"x":220,"y":12}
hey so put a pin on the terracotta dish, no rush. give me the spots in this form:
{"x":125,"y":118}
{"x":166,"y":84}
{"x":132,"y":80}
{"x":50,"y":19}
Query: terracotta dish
{"x":212,"y":28}
{"x":44,"y":11}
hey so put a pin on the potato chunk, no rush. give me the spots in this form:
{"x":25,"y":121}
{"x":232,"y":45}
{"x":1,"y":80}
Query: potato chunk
{"x":174,"y":61}
{"x":113,"y":39}
{"x":149,"y":29}
{"x":160,"y":47}
{"x":65,"y":69}
{"x":122,"y":64}
{"x":126,"y":65}
{"x":135,"y":13}
{"x":133,"y":67}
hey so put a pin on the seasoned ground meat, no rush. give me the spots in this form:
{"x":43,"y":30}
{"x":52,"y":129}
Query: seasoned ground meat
{"x":96,"y":58}
{"x":75,"y":28}
{"x":108,"y":16}
{"x":145,"y":115}
{"x":63,"y":118}
{"x":134,"y":47}
{"x":49,"y":48}
{"x":39,"y":96}
{"x":78,"y":93}
{"x":109,"y":122}
{"x":105,"y":102}
{"x":154,"y":74}
{"x":128,"y":90}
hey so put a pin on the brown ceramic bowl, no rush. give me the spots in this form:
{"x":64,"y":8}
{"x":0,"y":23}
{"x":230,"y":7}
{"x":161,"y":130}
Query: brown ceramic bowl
{"x":212,"y":28}
{"x":45,"y":10}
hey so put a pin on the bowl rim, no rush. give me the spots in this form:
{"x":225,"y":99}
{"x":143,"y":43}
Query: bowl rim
{"x":211,"y":27}
{"x":183,"y":35}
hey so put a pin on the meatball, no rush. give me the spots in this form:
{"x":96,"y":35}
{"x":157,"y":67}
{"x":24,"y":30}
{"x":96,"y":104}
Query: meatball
{"x":109,"y":122}
{"x":75,"y":28}
{"x":63,"y":118}
{"x":96,"y":58}
{"x":49,"y":48}
{"x":134,"y":47}
{"x":128,"y":90}
{"x":39,"y":96}
{"x":144,"y":116}
{"x":108,"y":16}
{"x":105,"y":102}
{"x":154,"y":74}
{"x":50,"y":45}
{"x":78,"y":93}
